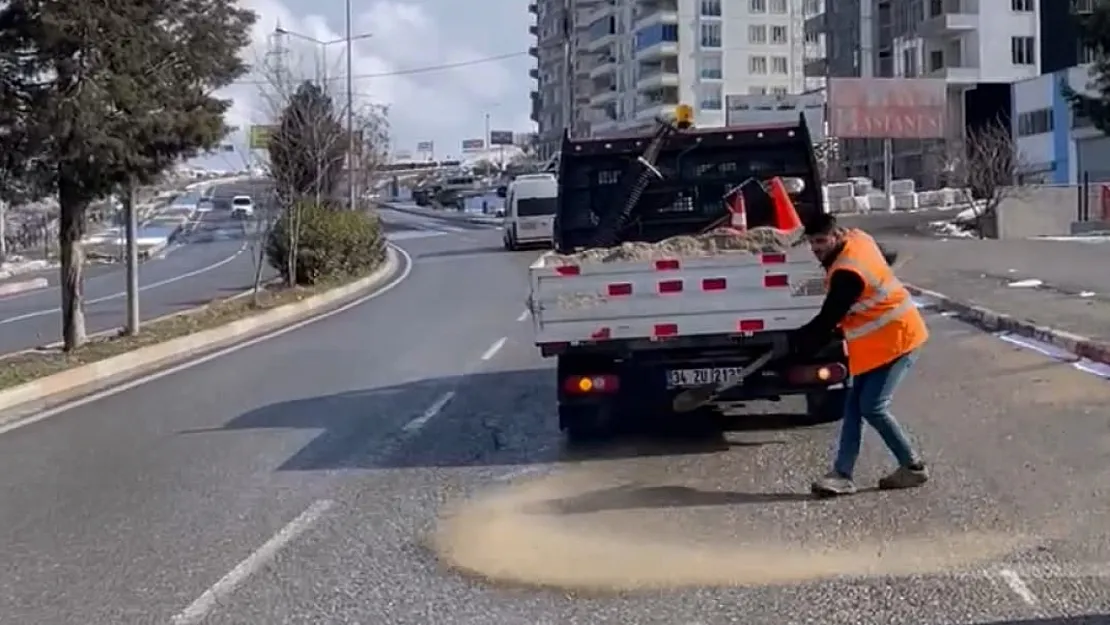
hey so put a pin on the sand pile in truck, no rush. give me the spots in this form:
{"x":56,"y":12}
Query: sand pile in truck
{"x":712,"y":243}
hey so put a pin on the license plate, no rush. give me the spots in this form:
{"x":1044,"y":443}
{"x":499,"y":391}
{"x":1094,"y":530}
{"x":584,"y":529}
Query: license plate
{"x":698,"y":377}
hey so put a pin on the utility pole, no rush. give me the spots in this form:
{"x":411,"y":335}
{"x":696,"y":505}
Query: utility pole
{"x":350,"y":113}
{"x":132,"y":259}
{"x":3,"y":231}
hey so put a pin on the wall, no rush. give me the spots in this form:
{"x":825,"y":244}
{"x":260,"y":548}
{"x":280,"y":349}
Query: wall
{"x":1035,"y":210}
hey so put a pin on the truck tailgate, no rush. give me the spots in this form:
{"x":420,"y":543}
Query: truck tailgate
{"x":723,"y":294}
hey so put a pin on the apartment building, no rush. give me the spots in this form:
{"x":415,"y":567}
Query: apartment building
{"x":979,"y":47}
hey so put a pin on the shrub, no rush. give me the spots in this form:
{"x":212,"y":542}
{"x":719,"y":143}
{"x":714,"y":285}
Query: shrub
{"x":332,"y":244}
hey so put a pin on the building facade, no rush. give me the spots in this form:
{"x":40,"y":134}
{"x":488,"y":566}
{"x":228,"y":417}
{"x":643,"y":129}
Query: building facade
{"x":626,"y":62}
{"x":979,"y":47}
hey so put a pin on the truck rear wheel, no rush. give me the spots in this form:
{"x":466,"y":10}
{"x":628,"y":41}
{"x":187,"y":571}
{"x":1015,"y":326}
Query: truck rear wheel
{"x":588,"y":423}
{"x":824,"y":406}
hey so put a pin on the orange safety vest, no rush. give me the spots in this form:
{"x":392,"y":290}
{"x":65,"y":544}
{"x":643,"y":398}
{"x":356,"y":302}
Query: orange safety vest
{"x":884,"y":323}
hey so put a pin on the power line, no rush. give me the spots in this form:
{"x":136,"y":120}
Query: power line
{"x":414,"y":70}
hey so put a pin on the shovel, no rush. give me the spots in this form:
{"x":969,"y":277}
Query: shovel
{"x":694,"y":398}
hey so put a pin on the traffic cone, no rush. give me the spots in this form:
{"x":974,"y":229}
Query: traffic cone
{"x":738,"y":213}
{"x":785,"y":216}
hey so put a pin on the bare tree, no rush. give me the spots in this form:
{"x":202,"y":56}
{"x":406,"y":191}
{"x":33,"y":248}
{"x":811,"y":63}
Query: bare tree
{"x":987,"y":163}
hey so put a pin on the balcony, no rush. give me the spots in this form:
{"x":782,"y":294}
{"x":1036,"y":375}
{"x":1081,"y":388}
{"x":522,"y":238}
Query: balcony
{"x":658,"y":51}
{"x":534,"y":51}
{"x":649,"y":111}
{"x":657,"y":76}
{"x":816,"y":67}
{"x":533,"y":8}
{"x":951,"y":66}
{"x":601,"y":43}
{"x":816,"y":24}
{"x":534,"y":30}
{"x":534,"y":73}
{"x":607,"y":65}
{"x":603,"y":97}
{"x":956,"y":75}
{"x":948,"y":18}
{"x":658,"y":13}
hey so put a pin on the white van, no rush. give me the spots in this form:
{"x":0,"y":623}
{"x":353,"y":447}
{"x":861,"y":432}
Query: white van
{"x":530,"y":211}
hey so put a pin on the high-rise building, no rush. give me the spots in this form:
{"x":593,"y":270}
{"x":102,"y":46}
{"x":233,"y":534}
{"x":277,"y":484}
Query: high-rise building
{"x":625,"y":62}
{"x":979,"y":47}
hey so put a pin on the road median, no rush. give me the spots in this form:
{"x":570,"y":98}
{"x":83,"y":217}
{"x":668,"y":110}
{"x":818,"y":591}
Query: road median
{"x":37,"y":380}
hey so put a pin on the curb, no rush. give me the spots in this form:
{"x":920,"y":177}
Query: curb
{"x":992,"y":321}
{"x":21,"y":401}
{"x":11,"y":288}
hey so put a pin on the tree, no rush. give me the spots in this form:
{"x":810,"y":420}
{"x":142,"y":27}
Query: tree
{"x":988,"y":165}
{"x":308,"y":149}
{"x":1094,"y":34}
{"x":105,"y":95}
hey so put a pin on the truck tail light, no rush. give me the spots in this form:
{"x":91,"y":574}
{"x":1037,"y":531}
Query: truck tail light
{"x":591,"y":384}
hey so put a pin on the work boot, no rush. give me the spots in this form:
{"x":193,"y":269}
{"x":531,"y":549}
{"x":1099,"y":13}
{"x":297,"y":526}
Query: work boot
{"x":833,"y":485}
{"x":910,"y":476}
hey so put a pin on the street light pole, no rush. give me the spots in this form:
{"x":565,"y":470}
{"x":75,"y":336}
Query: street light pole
{"x":350,"y":114}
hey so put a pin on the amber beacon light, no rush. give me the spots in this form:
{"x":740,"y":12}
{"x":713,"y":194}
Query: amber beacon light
{"x":684,"y":116}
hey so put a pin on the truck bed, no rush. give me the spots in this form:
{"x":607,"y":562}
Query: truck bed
{"x":726,"y":294}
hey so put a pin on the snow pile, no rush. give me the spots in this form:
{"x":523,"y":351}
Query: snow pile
{"x":712,"y":243}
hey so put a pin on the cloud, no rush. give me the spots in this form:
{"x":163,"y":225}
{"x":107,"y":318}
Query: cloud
{"x":444,"y":106}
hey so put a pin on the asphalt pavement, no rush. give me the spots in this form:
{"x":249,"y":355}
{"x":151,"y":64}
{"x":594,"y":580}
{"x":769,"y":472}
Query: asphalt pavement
{"x":306,"y":479}
{"x":213,"y":258}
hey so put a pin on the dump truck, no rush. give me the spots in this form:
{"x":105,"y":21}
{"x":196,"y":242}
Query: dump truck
{"x":645,"y":297}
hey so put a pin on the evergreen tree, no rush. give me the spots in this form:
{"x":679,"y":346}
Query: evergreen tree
{"x":100,"y":94}
{"x":309,"y":146}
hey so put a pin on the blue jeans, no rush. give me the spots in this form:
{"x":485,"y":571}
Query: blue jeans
{"x":868,"y":399}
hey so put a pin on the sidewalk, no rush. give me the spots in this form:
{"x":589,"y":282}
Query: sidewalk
{"x":1034,"y":288}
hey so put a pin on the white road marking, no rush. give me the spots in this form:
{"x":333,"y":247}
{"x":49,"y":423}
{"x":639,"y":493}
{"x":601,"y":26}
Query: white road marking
{"x":419,"y":422}
{"x":1014,"y":581}
{"x":221,"y":590}
{"x":493,"y":349}
{"x":523,"y":316}
{"x":121,"y":294}
{"x":108,"y":392}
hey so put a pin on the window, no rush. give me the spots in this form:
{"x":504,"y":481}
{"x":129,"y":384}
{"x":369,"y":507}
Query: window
{"x":757,"y":65}
{"x":711,"y":35}
{"x":780,"y":65}
{"x":1023,"y":51}
{"x":710,"y":98}
{"x":757,"y":34}
{"x":813,"y":38}
{"x":779,"y":91}
{"x":1083,"y":6}
{"x":711,"y":67}
{"x":778,"y":7}
{"x":711,"y":8}
{"x":1023,"y":6}
{"x":757,"y":90}
{"x":1036,"y":122}
{"x":909,"y":63}
{"x":757,"y":6}
{"x":778,"y":34}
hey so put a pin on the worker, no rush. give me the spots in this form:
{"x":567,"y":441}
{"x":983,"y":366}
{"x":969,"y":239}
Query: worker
{"x":883,"y":331}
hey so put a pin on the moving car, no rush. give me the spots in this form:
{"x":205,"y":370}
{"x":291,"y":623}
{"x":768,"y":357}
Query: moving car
{"x":242,"y":206}
{"x":530,"y":202}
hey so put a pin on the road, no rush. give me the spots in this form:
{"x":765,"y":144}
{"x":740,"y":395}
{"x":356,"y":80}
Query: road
{"x":212,"y":260}
{"x":305,"y":479}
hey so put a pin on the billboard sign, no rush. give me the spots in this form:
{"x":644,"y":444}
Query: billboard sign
{"x":260,"y":137}
{"x":426,"y":146}
{"x":473,"y":145}
{"x":888,"y":108}
{"x":500,"y":137}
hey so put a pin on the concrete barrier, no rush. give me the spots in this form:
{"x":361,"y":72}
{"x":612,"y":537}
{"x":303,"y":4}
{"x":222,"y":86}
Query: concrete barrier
{"x":26,"y":399}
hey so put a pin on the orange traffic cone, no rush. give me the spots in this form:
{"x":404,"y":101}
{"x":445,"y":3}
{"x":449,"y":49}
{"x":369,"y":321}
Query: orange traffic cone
{"x":738,"y":213}
{"x":785,"y":216}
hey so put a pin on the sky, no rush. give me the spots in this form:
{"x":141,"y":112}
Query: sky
{"x":444,"y":106}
